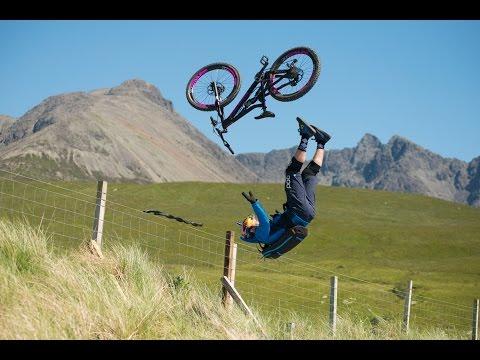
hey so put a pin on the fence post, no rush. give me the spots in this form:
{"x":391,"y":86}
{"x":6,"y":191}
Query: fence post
{"x":96,"y":241}
{"x":99,"y":212}
{"x":406,"y":309}
{"x":290,"y":329}
{"x":333,"y":304}
{"x":475,"y":319}
{"x":233,"y":266}
{"x":228,"y":265}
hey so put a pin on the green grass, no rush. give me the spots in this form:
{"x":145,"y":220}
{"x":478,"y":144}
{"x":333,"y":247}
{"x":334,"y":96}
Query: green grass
{"x":382,"y":237}
{"x":45,"y":294}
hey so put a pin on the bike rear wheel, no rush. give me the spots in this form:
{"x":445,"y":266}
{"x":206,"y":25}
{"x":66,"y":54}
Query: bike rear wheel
{"x":300,"y":68}
{"x":200,"y":91}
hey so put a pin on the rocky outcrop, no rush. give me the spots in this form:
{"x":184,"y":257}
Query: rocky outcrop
{"x":399,"y":165}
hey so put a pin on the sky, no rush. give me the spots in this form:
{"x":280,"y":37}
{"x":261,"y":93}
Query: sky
{"x":416,"y":79}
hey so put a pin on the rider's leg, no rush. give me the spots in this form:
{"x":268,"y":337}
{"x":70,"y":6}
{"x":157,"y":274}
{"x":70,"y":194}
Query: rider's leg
{"x":309,"y":174}
{"x":294,"y":187}
{"x":318,"y":156}
{"x":300,"y":156}
{"x":310,"y":180}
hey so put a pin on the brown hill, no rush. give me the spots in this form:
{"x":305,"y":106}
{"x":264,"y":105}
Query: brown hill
{"x":126,"y":133}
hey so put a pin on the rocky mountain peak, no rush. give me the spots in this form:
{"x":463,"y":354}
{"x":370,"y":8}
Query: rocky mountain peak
{"x":368,"y":146}
{"x":400,"y":139}
{"x":5,"y":122}
{"x":6,"y":118}
{"x":45,"y":114}
{"x":63,"y":103}
{"x":474,"y":186}
{"x":399,"y":165}
{"x":399,"y":146}
{"x":134,"y":84}
{"x":369,"y":140}
{"x":139,"y":87}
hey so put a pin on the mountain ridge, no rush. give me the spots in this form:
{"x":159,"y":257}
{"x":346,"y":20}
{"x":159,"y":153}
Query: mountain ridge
{"x":131,"y":132}
{"x":398,"y":165}
{"x":126,"y":133}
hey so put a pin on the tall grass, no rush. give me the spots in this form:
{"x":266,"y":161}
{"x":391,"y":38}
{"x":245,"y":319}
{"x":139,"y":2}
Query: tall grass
{"x":46,"y":295}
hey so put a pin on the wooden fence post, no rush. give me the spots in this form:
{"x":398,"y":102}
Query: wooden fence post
{"x":97,"y":232}
{"x":233,"y":266}
{"x":241,"y":303}
{"x":290,"y":330}
{"x":228,"y":266}
{"x":333,"y":304}
{"x":407,"y":306}
{"x":475,"y":319}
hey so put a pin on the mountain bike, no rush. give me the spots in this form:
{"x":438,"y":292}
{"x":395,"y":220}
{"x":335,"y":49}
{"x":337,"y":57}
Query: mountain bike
{"x":215,"y":86}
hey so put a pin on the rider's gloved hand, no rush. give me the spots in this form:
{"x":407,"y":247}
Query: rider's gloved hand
{"x":250,"y":197}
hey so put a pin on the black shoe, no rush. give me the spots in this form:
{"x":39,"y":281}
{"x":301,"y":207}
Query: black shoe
{"x":321,"y":136}
{"x":265,"y":114}
{"x":305,"y":130}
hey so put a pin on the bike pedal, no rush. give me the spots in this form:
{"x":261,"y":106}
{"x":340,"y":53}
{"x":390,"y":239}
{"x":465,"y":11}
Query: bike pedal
{"x":265,"y":114}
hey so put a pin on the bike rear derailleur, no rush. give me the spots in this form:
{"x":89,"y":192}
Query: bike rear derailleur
{"x":220,"y":133}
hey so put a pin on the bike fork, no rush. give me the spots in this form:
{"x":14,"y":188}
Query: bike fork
{"x":217,"y":101}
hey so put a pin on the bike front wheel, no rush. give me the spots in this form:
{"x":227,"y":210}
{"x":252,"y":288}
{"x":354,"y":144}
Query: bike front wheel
{"x":294,"y":73}
{"x":201,"y":90}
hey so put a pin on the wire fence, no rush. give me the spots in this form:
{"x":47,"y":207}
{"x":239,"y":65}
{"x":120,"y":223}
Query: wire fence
{"x":67,"y":213}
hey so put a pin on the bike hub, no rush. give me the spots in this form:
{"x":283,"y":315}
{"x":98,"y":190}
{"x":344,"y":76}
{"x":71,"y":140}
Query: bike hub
{"x":295,"y":74}
{"x":211,"y":88}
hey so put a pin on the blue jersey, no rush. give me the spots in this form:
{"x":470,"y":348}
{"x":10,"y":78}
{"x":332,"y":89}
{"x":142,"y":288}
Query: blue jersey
{"x":269,"y":229}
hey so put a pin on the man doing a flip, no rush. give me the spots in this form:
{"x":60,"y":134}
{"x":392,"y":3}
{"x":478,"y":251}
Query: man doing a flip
{"x":283,"y":231}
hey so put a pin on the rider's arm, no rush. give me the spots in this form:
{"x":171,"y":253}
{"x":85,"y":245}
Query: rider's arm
{"x":263,"y":230}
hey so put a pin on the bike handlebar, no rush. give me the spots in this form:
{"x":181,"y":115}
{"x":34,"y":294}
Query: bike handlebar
{"x":225,"y":143}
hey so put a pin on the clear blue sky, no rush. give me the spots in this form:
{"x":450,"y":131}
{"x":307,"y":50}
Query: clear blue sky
{"x":417,"y":79}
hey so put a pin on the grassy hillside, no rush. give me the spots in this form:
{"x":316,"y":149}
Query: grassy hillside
{"x":75,"y":295}
{"x":382,"y":237}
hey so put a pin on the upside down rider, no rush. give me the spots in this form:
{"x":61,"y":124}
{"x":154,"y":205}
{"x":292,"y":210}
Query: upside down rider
{"x":281,"y":232}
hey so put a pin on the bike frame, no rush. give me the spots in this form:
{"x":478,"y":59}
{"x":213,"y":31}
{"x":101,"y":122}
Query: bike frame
{"x":261,"y":78}
{"x":248,"y":104}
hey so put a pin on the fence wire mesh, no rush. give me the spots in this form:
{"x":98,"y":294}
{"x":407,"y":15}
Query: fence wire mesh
{"x":275,"y":287}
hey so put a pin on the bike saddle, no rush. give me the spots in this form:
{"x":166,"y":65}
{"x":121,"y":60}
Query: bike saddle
{"x":265,"y":114}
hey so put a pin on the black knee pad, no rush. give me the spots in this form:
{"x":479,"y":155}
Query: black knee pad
{"x":312,"y":169}
{"x":294,"y":166}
